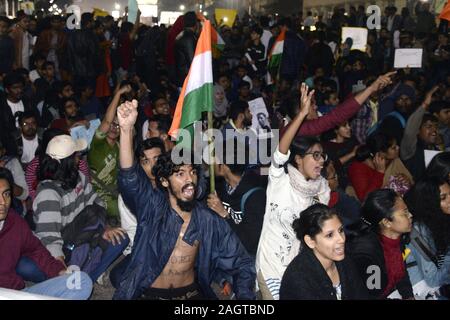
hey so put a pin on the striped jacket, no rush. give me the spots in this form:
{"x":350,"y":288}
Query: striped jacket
{"x":54,"y":208}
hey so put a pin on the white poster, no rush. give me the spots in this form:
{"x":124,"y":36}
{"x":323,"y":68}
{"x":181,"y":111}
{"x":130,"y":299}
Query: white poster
{"x":358,"y":35}
{"x":429,"y":155}
{"x":408,"y":58}
{"x":260,"y":118}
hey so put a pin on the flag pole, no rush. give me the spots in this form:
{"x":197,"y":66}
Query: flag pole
{"x":211,"y":153}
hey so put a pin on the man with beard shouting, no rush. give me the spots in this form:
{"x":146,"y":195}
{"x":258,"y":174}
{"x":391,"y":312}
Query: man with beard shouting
{"x":181,"y":246}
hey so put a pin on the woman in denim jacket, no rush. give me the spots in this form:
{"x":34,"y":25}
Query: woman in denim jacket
{"x":429,"y":259}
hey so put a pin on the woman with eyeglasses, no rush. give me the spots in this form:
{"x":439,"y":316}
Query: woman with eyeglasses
{"x":294,"y":184}
{"x":377,"y":165}
{"x":429,"y":261}
{"x":376,"y":244}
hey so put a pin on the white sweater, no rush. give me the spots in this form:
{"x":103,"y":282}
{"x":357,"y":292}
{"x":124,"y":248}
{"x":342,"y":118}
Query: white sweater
{"x":278,"y":244}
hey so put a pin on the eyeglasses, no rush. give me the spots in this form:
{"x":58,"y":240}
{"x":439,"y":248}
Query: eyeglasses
{"x":317,"y":155}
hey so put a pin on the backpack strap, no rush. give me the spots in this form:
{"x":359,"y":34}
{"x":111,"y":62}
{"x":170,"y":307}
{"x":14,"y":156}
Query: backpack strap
{"x":421,"y":245}
{"x":247,"y":195}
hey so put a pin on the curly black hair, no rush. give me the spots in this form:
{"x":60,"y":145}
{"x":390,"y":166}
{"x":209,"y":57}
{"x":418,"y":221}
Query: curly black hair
{"x":165,"y":167}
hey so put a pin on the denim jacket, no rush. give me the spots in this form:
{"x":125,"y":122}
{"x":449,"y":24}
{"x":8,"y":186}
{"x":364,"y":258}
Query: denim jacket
{"x":425,"y":269}
{"x":220,"y":251}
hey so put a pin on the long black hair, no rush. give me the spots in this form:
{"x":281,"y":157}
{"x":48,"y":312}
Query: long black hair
{"x":64,"y":171}
{"x":439,"y":166}
{"x":378,"y":205}
{"x":300,"y":147}
{"x":375,"y":143}
{"x":424,"y":202}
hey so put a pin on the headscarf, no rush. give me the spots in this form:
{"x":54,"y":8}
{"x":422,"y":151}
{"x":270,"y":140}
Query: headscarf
{"x":220,"y":108}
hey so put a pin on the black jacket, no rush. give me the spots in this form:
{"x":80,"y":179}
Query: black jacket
{"x":248,"y":223}
{"x":367,"y":252}
{"x":6,"y":54}
{"x":84,"y":53}
{"x":294,"y":51}
{"x":184,"y":54}
{"x":306,"y":279}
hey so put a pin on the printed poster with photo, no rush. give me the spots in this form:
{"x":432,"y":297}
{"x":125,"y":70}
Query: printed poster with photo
{"x":260,"y":118}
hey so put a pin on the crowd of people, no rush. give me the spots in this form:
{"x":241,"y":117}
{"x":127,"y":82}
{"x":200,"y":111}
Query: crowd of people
{"x":350,"y":206}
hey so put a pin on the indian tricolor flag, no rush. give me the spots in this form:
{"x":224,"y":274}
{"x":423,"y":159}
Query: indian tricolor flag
{"x":217,"y":43}
{"x":276,"y":52}
{"x":197,"y":93}
{"x":445,"y":13}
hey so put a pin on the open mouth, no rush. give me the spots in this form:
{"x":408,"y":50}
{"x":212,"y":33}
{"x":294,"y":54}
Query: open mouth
{"x":188,"y":191}
{"x":317,"y":170}
{"x":339,"y":251}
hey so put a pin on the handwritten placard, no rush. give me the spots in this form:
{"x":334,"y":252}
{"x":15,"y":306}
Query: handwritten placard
{"x":358,"y":35}
{"x":408,"y":58}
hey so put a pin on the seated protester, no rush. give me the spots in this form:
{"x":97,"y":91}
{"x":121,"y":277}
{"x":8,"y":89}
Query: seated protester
{"x":90,"y":105}
{"x":160,"y":110}
{"x":394,"y":111}
{"x":11,"y":162}
{"x":225,"y":82}
{"x":29,"y":140}
{"x":63,"y":194}
{"x":148,"y":152}
{"x":240,"y":119}
{"x":158,"y":127}
{"x":294,"y":184}
{"x":330,"y":101}
{"x":12,"y":105}
{"x":103,"y":158}
{"x":420,"y":135}
{"x":240,"y":197}
{"x":346,"y":206}
{"x":429,"y":202}
{"x":221,"y":106}
{"x":377,"y":165}
{"x":376,"y":243}
{"x":366,"y":117}
{"x":50,"y":106}
{"x":18,"y":242}
{"x":244,"y":93}
{"x":43,"y":85}
{"x":31,"y":173}
{"x":341,"y":147}
{"x":257,"y":52}
{"x":174,"y":224}
{"x":239,"y":76}
{"x":439,"y":167}
{"x":71,"y":116}
{"x":315,"y":125}
{"x":322,"y":270}
{"x":38,"y":71}
{"x":441,"y":110}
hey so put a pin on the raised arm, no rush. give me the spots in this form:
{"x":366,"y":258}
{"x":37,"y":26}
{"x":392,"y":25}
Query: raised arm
{"x":127,"y":115}
{"x":382,"y":82}
{"x":291,"y":131}
{"x":112,"y":108}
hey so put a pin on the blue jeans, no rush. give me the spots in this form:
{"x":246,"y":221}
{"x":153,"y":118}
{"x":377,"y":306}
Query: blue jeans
{"x":111,"y":253}
{"x":76,"y":286}
{"x":28,"y":270}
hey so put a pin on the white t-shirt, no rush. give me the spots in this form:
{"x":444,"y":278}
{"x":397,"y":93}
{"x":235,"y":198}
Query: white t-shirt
{"x":278,"y":244}
{"x":34,"y":75}
{"x":29,"y":149}
{"x":1,"y":225}
{"x":16,"y":106}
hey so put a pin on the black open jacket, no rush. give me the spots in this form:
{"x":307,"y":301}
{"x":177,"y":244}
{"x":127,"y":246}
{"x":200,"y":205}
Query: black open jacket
{"x":306,"y":279}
